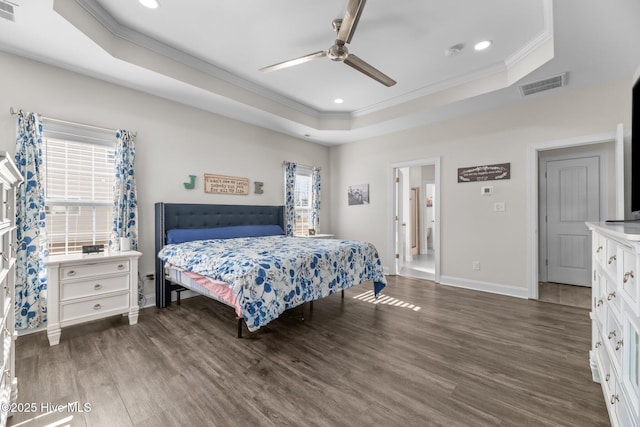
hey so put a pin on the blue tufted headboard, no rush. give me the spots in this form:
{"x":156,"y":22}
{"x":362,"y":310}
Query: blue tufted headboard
{"x":189,"y":215}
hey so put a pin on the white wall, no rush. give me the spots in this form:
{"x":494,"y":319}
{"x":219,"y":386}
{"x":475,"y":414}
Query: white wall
{"x":471,"y":230}
{"x":173,"y":142}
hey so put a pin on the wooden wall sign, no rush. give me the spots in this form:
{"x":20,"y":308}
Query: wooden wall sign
{"x":485,"y":173}
{"x":220,"y":184}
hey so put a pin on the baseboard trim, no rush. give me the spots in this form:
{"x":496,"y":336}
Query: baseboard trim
{"x":494,"y":288}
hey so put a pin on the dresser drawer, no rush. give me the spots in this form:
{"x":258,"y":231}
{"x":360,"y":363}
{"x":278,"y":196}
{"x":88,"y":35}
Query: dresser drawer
{"x":94,"y":308}
{"x":87,"y":288}
{"x":70,"y":272}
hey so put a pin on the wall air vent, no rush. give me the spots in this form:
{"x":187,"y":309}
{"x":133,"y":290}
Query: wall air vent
{"x":542,"y":85}
{"x":6,"y":11}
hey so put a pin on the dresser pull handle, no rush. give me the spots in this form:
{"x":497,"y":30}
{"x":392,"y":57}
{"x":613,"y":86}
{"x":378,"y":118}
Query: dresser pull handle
{"x":97,"y":307}
{"x":612,"y":258}
{"x":4,"y":257}
{"x":612,"y":334}
{"x":611,"y":296}
{"x":71,"y":273}
{"x":120,"y":266}
{"x":600,"y":302}
{"x":97,"y":286}
{"x":627,"y":275}
{"x":599,"y":249}
{"x":619,"y":345}
{"x":607,"y":377}
{"x":598,"y":344}
{"x":614,"y":398}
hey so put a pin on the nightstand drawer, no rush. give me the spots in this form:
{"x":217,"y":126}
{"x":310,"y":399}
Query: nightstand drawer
{"x":70,"y":290}
{"x":71,"y":272}
{"x":94,"y":308}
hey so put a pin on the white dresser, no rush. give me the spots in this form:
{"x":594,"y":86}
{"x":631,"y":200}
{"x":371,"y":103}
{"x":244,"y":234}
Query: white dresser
{"x":615,"y":314}
{"x":82,"y":288}
{"x":9,"y":178}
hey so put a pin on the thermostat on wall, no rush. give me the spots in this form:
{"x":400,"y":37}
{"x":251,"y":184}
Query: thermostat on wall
{"x":486,"y":191}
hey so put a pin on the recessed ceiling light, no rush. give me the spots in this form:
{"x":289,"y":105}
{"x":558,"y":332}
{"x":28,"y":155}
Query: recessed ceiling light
{"x":483,"y":45}
{"x":338,"y":100}
{"x":151,"y":4}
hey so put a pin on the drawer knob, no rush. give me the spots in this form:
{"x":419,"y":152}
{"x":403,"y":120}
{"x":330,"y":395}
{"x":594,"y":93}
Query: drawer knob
{"x":598,"y":344}
{"x":612,"y":258}
{"x":600,"y":302}
{"x":120,"y":266}
{"x":619,"y":345}
{"x":612,"y":334}
{"x":607,"y":377}
{"x":599,"y":249}
{"x":71,"y":273}
{"x":628,"y":275}
{"x":611,"y":296}
{"x":97,"y":286}
{"x":614,"y":398}
{"x":97,"y":307}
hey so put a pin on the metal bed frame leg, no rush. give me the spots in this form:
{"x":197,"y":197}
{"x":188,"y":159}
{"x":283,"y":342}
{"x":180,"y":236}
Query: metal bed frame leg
{"x":239,"y":327}
{"x":343,"y":294}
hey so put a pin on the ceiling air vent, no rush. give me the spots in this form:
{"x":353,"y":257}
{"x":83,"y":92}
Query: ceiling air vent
{"x":542,"y":85}
{"x":6,"y":11}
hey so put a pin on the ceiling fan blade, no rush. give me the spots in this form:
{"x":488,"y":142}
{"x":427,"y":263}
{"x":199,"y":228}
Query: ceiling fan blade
{"x":369,"y":70}
{"x":292,"y":62}
{"x":350,"y":20}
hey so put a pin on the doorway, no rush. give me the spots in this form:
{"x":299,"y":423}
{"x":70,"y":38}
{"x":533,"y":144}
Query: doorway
{"x":415,"y":218}
{"x":609,"y":148}
{"x":573,"y":191}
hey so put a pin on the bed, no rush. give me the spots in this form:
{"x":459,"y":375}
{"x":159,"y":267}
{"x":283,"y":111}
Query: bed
{"x":239,"y":256}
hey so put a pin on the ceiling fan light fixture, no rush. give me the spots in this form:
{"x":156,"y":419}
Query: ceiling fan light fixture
{"x":151,"y":4}
{"x":483,"y":45}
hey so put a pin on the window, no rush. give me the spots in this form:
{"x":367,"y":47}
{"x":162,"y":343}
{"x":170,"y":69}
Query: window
{"x":78,"y":174}
{"x":303,"y":201}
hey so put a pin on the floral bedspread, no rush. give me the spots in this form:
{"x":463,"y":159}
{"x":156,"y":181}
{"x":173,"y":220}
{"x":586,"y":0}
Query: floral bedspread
{"x":272,"y":274}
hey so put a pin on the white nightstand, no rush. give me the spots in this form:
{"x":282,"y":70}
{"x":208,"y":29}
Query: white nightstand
{"x":89,"y":287}
{"x":320,"y":236}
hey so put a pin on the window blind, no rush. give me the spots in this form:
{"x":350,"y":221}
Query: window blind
{"x":303,"y":201}
{"x":78,"y":186}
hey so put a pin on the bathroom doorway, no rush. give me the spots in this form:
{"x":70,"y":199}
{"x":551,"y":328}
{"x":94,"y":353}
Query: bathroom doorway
{"x":415,"y":217}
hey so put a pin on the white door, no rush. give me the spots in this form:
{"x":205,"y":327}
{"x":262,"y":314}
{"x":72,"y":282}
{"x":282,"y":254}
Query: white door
{"x":573,"y":197}
{"x":400,"y":224}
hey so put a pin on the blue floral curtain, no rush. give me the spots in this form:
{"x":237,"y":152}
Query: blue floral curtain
{"x":31,"y":274}
{"x":290,"y":198}
{"x":315,"y":199}
{"x":125,"y":202}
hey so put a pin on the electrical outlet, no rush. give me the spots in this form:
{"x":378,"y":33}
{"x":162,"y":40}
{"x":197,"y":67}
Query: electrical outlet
{"x":150,"y":276}
{"x":475,"y":265}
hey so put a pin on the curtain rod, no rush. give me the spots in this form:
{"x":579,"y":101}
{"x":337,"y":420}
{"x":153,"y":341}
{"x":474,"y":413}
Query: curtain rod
{"x":284,"y":163}
{"x":14,"y":112}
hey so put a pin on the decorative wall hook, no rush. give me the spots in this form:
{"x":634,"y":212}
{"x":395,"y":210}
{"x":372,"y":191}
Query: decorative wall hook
{"x":191,"y":184}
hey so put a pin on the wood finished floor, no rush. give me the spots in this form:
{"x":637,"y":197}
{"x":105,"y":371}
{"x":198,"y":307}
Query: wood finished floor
{"x":465,"y":358}
{"x":559,"y":293}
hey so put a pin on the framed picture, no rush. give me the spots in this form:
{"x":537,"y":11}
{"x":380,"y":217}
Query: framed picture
{"x":358,"y":194}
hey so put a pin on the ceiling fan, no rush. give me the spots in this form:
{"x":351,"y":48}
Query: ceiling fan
{"x":338,"y":52}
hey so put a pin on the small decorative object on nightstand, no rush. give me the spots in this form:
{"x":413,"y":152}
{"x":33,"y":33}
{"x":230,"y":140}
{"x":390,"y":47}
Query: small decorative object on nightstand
{"x":89,"y":287}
